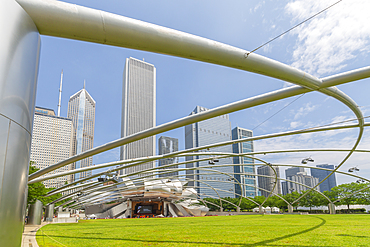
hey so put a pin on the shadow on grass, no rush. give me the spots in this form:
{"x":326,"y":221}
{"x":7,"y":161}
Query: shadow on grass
{"x":268,"y":242}
{"x":347,"y":235}
{"x":265,"y":242}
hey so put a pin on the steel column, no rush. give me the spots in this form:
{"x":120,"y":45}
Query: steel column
{"x":35,"y":213}
{"x":290,"y":209}
{"x":19,"y":58}
{"x":49,"y":213}
{"x":331,"y":207}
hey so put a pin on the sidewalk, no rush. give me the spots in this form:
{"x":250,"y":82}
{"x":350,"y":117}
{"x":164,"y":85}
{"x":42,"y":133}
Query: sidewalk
{"x":29,"y":235}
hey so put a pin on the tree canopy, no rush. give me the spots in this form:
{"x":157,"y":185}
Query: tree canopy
{"x":312,"y":199}
{"x":36,"y":191}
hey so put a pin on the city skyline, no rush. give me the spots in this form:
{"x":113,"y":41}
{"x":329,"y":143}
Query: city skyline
{"x":187,"y":83}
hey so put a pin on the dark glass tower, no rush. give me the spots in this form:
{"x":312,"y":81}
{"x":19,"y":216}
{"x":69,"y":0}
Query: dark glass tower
{"x":328,"y":184}
{"x":207,"y":132}
{"x":167,"y":145}
{"x":247,"y":164}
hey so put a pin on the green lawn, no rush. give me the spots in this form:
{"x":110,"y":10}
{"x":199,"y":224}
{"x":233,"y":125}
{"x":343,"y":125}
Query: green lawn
{"x":248,"y":230}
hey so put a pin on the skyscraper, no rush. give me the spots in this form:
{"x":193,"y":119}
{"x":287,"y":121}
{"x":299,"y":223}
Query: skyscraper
{"x":248,"y":167}
{"x":210,"y":131}
{"x":298,"y":174}
{"x":81,"y":109}
{"x":138,"y":111}
{"x":167,"y":145}
{"x":52,"y":141}
{"x":289,"y":172}
{"x":329,"y":183}
{"x":267,"y":183}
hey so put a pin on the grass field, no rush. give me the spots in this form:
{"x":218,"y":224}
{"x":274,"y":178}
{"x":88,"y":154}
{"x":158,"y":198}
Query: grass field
{"x":247,"y":230}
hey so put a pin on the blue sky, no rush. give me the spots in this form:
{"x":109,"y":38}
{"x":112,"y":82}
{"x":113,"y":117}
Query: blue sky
{"x":334,"y":42}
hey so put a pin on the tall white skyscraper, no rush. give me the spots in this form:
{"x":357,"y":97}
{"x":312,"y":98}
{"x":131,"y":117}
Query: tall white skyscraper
{"x":52,"y":141}
{"x":138,"y":110}
{"x":81,"y":109}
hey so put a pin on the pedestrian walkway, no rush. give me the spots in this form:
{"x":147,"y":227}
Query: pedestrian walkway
{"x":29,"y":235}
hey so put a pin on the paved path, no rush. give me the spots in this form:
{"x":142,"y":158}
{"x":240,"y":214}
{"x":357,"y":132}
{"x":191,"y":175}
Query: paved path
{"x":29,"y":235}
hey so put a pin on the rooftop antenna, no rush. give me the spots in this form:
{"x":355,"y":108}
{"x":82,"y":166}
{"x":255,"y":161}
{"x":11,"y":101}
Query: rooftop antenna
{"x":60,"y":93}
{"x":84,"y":83}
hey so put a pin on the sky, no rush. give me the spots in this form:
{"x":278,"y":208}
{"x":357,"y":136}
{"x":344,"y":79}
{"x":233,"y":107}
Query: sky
{"x":333,"y":42}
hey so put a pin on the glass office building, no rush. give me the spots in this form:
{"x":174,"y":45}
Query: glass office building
{"x":244,"y":172}
{"x":167,"y":145}
{"x":81,"y":109}
{"x":329,"y":183}
{"x":207,"y":132}
{"x":266,"y":184}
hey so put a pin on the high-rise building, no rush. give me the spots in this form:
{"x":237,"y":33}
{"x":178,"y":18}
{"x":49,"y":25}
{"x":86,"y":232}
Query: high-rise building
{"x":329,"y":183}
{"x":298,"y":174}
{"x":266,"y":184}
{"x":138,"y":111}
{"x":245,"y":172}
{"x":81,"y":109}
{"x":167,"y":145}
{"x":293,"y":171}
{"x":52,"y":141}
{"x":207,"y":132}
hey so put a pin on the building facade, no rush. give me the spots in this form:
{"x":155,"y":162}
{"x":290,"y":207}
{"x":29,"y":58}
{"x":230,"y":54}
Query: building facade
{"x":329,"y":183}
{"x":298,"y":174}
{"x":266,"y":184}
{"x":245,"y":172}
{"x":52,"y":141}
{"x":138,"y":111}
{"x":167,"y":145}
{"x":207,"y":132}
{"x":81,"y":109}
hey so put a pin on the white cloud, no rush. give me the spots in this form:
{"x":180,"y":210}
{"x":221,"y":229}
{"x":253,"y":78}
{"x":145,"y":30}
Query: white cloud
{"x":326,"y":43}
{"x":304,"y":110}
{"x":259,"y":5}
{"x":295,"y":124}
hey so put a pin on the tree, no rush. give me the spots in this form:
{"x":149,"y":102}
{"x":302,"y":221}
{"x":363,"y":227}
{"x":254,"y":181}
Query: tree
{"x":228,"y":206}
{"x":36,"y":191}
{"x":211,"y":205}
{"x":292,"y":197}
{"x":275,"y":201}
{"x":313,"y":199}
{"x":247,"y":205}
{"x":344,"y":190}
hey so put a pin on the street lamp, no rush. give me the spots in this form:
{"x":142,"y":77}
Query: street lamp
{"x":212,"y":161}
{"x":306,"y":160}
{"x":353,"y":169}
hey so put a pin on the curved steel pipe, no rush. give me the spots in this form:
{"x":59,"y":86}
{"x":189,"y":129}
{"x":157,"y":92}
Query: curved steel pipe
{"x":72,"y":21}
